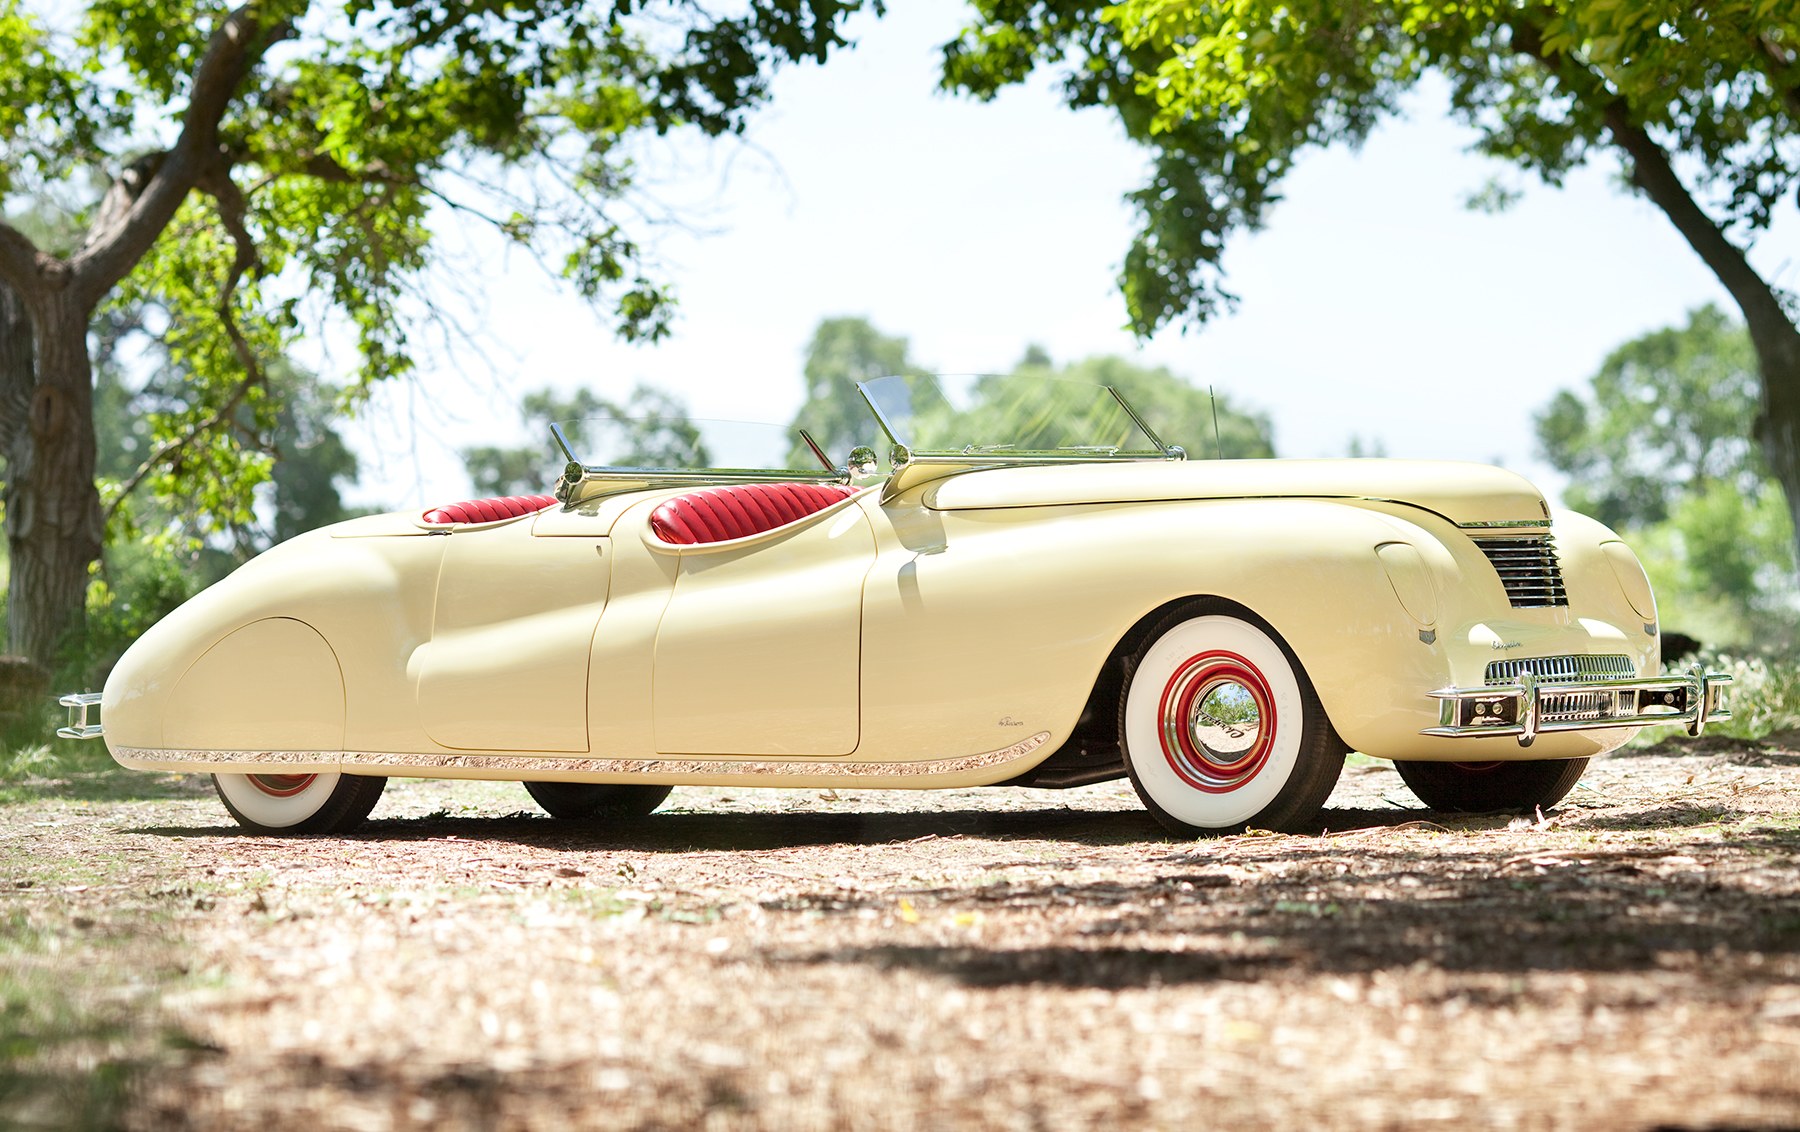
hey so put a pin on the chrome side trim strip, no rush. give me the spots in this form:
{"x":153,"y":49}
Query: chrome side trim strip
{"x":225,"y":760}
{"x":748,"y":768}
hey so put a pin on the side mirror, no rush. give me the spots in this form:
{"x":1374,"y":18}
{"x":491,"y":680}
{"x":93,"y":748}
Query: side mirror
{"x":863,"y":463}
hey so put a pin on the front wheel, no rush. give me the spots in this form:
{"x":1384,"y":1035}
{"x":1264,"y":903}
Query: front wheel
{"x":578,"y":801}
{"x":298,"y":803}
{"x":1474,"y":788}
{"x":1222,"y":730}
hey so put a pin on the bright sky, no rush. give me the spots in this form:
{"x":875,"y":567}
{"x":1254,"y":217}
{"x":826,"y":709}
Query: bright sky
{"x":1374,"y":304}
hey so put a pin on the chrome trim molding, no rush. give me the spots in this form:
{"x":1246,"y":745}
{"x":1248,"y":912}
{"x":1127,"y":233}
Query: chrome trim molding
{"x":1503,"y":523}
{"x":745,"y":767}
{"x":227,"y":759}
{"x":1529,"y":706}
{"x":78,"y":704}
{"x":1029,"y":459}
{"x":1561,"y":668}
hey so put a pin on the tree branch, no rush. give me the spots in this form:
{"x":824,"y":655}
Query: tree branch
{"x":1780,"y":61}
{"x":20,"y":259}
{"x":120,"y":237}
{"x":215,"y":180}
{"x":1652,"y":172}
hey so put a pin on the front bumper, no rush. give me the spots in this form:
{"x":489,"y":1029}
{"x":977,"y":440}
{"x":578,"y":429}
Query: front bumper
{"x":1527,"y":706}
{"x":78,"y":704}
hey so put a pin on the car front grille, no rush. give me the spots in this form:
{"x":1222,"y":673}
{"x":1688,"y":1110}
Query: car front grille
{"x":1576,"y":706}
{"x":1563,"y":668}
{"x":1557,"y":707}
{"x":1528,"y":569}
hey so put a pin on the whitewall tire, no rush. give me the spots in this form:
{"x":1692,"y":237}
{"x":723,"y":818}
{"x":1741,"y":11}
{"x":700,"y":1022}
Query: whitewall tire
{"x":298,"y":803}
{"x":1222,"y":731}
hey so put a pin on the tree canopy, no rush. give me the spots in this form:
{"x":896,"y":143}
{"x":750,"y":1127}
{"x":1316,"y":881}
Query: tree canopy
{"x":267,"y":168}
{"x":1229,"y":95}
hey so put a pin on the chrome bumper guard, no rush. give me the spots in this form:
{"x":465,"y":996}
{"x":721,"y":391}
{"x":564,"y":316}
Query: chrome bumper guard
{"x":79,"y":727}
{"x":1527,"y":707}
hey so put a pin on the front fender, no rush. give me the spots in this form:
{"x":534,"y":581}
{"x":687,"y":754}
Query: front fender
{"x":272,"y":680}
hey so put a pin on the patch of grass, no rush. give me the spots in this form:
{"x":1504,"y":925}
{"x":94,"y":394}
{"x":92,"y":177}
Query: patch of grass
{"x":72,"y":1045}
{"x":1764,"y":697}
{"x":69,"y":768}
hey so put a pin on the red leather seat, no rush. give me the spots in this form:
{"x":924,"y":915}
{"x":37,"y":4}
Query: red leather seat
{"x":489,"y":510}
{"x":716,"y":514}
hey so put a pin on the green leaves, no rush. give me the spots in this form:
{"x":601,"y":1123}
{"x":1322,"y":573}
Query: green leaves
{"x":1667,"y":415}
{"x":1227,"y":94}
{"x":1658,"y":444}
{"x":357,"y":129}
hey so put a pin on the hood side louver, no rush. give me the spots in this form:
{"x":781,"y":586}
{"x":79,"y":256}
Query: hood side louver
{"x":1528,"y":569}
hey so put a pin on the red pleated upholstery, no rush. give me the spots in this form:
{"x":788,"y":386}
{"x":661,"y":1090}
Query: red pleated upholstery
{"x":489,"y":510}
{"x":717,"y":514}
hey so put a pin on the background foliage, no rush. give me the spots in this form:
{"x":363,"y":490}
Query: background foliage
{"x":1657,"y":445}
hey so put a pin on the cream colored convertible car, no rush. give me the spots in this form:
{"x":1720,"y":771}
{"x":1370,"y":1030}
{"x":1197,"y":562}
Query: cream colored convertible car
{"x":1030,"y":594}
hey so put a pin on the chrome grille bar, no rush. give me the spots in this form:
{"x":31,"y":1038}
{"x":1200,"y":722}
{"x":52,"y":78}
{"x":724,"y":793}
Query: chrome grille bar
{"x":1556,"y":668}
{"x":1528,"y":568}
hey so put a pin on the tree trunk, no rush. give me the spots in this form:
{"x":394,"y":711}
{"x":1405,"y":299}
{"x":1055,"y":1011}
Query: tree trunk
{"x":1777,"y":345}
{"x":53,"y":519}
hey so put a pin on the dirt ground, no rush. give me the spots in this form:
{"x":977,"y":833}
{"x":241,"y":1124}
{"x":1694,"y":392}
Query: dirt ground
{"x":872,"y":960}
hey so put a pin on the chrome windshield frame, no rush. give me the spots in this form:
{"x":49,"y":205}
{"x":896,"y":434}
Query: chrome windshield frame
{"x":903,"y":454}
{"x":577,"y":474}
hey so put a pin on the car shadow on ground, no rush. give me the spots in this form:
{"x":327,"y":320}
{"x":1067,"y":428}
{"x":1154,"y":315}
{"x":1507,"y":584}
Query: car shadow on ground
{"x":1591,"y":912}
{"x":685,"y":831}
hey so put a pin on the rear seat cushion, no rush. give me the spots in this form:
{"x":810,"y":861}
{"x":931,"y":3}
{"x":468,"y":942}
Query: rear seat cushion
{"x":489,"y":510}
{"x":718,"y":514}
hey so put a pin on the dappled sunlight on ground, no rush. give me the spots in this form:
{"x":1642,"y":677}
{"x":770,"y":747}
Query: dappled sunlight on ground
{"x":864,"y":959}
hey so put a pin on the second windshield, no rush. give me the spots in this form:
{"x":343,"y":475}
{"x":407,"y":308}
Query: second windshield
{"x":1006,"y":415}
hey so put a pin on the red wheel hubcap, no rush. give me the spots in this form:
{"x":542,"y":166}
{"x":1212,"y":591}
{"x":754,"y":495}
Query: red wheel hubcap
{"x":1217,"y":721}
{"x":281,"y":785}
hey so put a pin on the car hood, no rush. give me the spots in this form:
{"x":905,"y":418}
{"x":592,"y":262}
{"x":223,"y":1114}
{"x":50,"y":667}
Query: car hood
{"x":1463,"y":493}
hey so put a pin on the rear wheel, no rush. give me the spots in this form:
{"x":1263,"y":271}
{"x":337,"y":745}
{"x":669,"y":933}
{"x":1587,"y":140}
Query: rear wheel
{"x":1222,"y":730}
{"x":298,"y":803}
{"x":1474,"y":788}
{"x":581,"y":800}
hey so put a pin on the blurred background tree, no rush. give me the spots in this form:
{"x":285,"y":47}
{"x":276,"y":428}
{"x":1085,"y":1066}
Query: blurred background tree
{"x":846,"y":350}
{"x":649,"y":428}
{"x":1657,"y":445}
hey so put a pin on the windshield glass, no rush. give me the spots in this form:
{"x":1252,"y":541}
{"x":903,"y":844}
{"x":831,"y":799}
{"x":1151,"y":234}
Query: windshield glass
{"x":686,"y":444}
{"x":1006,"y":415}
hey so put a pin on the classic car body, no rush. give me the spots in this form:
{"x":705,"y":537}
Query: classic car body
{"x":1053,"y":615}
